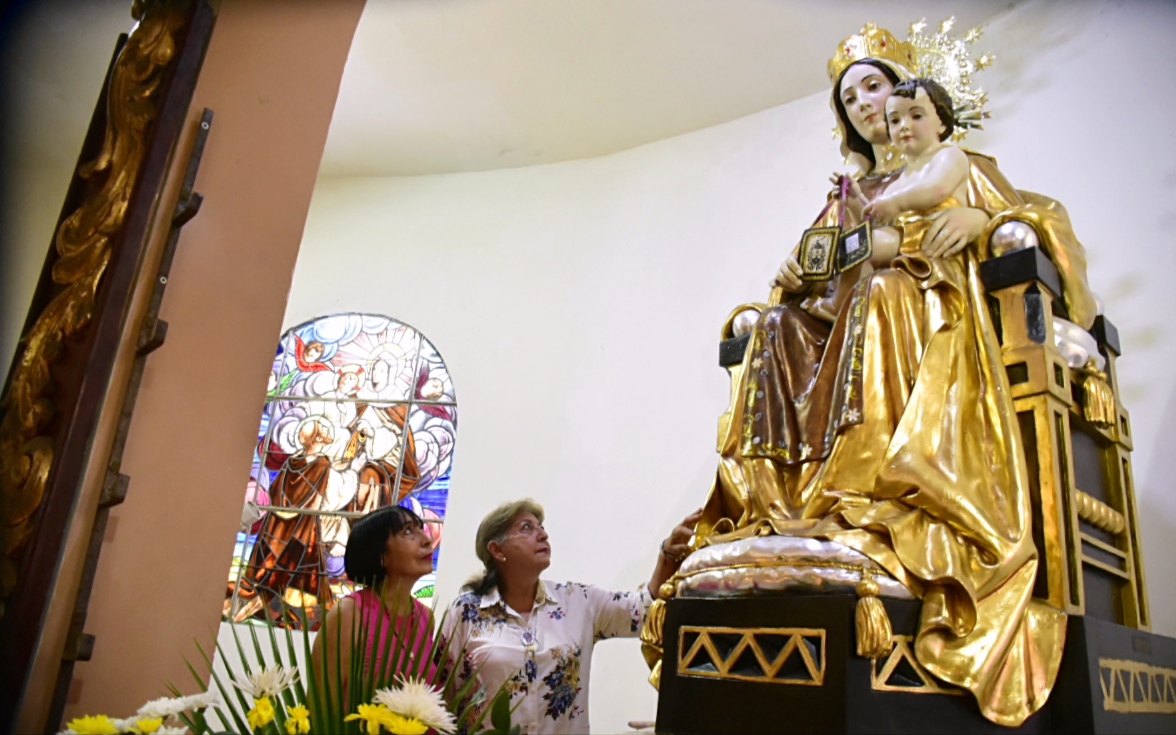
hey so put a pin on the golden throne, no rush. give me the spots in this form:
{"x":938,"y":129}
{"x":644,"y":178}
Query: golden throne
{"x":1077,"y":436}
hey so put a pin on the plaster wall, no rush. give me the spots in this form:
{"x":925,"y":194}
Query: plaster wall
{"x":578,"y":305}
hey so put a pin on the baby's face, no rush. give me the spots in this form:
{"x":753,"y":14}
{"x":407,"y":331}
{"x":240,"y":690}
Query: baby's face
{"x":914,"y":124}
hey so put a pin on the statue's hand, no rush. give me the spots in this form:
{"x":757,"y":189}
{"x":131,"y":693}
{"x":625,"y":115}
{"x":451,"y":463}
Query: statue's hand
{"x":952,"y":229}
{"x":883,"y":209}
{"x":788,"y":278}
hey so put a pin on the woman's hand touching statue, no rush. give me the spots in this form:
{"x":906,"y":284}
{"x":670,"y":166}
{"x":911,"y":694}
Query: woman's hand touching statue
{"x":674,"y":548}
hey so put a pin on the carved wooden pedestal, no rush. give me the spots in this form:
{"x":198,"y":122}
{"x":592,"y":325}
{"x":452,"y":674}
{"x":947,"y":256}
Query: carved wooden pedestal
{"x":787,"y":664}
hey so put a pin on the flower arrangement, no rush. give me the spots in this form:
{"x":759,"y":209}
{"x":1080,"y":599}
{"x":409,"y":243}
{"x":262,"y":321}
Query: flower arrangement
{"x":342,"y":691}
{"x":149,"y":720}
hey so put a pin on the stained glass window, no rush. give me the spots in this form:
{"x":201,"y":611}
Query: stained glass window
{"x":360,"y":414}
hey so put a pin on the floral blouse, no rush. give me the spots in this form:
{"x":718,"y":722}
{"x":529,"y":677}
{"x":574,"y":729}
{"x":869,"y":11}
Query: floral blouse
{"x":543,"y":662}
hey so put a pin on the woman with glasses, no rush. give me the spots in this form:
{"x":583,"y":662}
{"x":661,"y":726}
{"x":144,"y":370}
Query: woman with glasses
{"x":533,"y":638}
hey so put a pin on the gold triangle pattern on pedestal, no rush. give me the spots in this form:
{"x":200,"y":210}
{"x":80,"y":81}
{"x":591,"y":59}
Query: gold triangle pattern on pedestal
{"x":1133,"y":687}
{"x":777,"y":655}
{"x":902,"y":672}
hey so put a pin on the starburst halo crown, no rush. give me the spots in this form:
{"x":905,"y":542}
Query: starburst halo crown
{"x":946,"y":59}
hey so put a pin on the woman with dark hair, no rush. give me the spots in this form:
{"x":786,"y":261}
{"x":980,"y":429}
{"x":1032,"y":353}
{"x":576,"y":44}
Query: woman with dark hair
{"x":533,"y":638}
{"x":874,"y":411}
{"x":388,"y":551}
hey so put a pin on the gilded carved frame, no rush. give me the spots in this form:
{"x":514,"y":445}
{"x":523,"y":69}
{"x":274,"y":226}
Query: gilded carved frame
{"x":61,"y":374}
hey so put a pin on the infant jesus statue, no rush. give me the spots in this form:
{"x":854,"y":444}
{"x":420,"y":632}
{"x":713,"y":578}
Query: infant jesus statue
{"x":919,"y":116}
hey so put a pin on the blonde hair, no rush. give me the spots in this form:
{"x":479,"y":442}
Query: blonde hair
{"x":494,"y":528}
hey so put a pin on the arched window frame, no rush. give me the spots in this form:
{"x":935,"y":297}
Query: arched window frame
{"x":310,"y":382}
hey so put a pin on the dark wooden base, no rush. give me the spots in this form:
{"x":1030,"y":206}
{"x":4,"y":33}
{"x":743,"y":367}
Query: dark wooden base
{"x":1114,"y":679}
{"x":787,"y":664}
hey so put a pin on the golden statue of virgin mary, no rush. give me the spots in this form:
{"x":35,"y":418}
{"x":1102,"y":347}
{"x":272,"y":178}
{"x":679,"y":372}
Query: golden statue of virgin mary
{"x":874,"y":411}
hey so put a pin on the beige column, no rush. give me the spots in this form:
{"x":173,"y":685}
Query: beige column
{"x":271,"y":76}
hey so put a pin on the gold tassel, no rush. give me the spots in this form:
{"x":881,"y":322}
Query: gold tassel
{"x":651,"y":640}
{"x":874,"y":632}
{"x":1098,"y":402}
{"x":655,"y":675}
{"x":655,"y":620}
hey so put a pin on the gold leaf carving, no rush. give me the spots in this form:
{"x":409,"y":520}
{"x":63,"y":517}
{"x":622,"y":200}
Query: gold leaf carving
{"x":83,"y":246}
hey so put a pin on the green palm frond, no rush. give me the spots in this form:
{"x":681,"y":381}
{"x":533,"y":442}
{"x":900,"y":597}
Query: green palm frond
{"x":333,"y":688}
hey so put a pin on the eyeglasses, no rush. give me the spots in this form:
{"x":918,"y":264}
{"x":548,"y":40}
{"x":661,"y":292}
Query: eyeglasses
{"x":526,"y":528}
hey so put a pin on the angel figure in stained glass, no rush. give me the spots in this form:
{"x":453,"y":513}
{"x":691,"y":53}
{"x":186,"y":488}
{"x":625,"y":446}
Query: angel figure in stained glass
{"x":307,"y":356}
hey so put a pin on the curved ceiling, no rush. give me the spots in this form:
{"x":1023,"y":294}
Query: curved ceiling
{"x":442,"y":86}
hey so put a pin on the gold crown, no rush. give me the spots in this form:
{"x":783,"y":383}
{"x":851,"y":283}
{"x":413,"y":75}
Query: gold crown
{"x":873,"y":43}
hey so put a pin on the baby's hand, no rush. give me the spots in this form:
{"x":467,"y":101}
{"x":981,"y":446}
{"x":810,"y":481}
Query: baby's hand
{"x":855,"y":191}
{"x":883,"y":209}
{"x":854,"y":199}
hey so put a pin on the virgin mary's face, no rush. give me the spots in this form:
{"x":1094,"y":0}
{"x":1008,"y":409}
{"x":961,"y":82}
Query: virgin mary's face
{"x":864,"y":91}
{"x":379,"y":374}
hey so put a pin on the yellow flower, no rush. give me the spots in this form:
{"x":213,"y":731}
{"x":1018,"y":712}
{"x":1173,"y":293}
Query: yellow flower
{"x":372,"y":716}
{"x":416,"y":700}
{"x":297,"y":720}
{"x":262,"y":713}
{"x":147,"y":725}
{"x":398,"y":725}
{"x":96,"y":725}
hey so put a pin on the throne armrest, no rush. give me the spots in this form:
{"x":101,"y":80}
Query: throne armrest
{"x":1017,"y":259}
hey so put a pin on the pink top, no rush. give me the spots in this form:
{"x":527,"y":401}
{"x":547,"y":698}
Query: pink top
{"x":376,"y":618}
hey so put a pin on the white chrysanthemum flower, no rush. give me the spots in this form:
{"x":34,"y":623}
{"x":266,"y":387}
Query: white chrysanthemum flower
{"x":202,"y":700}
{"x":167,"y":730}
{"x":269,"y":682}
{"x":163,"y":707}
{"x":167,"y":706}
{"x":417,"y":700}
